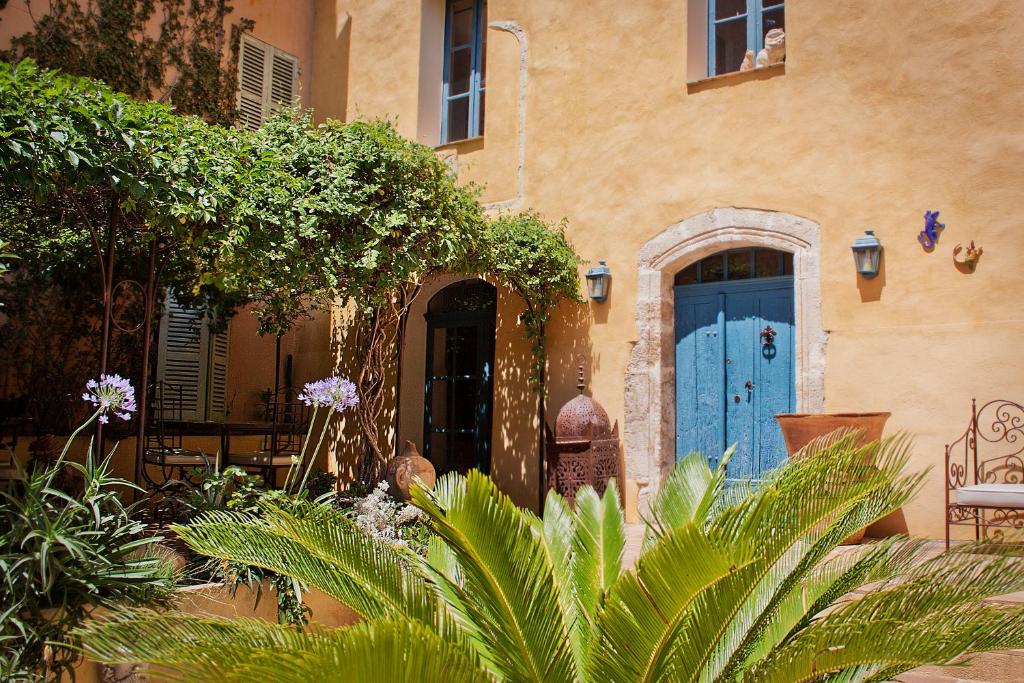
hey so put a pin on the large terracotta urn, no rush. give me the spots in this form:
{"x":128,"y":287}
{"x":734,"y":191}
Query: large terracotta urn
{"x":799,"y":429}
{"x":404,"y":469}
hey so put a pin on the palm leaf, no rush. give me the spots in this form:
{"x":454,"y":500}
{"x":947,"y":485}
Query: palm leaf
{"x":324,"y":549}
{"x":507,"y":571}
{"x":195,"y":649}
{"x":688,"y":493}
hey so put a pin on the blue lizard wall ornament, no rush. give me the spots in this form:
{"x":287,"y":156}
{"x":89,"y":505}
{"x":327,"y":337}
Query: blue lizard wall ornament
{"x":930,"y":235}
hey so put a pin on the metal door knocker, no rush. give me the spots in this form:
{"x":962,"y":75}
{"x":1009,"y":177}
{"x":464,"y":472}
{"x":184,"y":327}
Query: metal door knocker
{"x":767,"y":336}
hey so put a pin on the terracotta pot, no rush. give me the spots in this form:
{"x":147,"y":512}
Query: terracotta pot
{"x":405,"y":468}
{"x":799,"y":429}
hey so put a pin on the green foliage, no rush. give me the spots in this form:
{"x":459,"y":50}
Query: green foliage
{"x":149,"y":49}
{"x":730,"y":586}
{"x":290,"y":217}
{"x":233,"y":489}
{"x":61,"y":557}
{"x":338,"y":211}
{"x":535,"y":261}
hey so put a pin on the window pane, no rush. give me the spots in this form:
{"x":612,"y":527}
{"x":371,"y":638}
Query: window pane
{"x":462,"y":24}
{"x":458,"y":119}
{"x":787,"y":264}
{"x":775,"y":18}
{"x":739,"y":264}
{"x":480,"y":113}
{"x":711,"y":269}
{"x":460,"y":69}
{"x":730,"y":46}
{"x":464,"y":405}
{"x":688,"y":276}
{"x":729,"y":8}
{"x":768,"y":263}
{"x":439,"y":401}
{"x":483,"y":65}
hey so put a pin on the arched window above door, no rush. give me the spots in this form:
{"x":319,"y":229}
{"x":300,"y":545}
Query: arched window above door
{"x":737,"y":264}
{"x":464,"y":297}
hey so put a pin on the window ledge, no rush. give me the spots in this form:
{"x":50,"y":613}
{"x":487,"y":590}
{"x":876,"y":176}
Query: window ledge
{"x":467,"y":145}
{"x":735,"y":77}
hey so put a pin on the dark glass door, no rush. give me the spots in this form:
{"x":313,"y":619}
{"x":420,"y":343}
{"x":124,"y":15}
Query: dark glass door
{"x":459,"y":396}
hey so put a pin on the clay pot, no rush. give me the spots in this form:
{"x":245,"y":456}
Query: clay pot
{"x":799,"y":429}
{"x":404,"y":468}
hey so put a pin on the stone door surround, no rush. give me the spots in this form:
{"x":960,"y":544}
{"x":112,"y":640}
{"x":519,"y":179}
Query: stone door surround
{"x":649,"y":436}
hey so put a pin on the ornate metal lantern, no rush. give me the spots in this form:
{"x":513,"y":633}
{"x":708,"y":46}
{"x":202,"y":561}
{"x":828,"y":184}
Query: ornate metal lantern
{"x":867,"y":251}
{"x":598,"y":279}
{"x":584,"y":448}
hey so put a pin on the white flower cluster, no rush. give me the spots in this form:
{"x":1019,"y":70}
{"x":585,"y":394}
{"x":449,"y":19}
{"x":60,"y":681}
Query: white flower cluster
{"x":379,"y":515}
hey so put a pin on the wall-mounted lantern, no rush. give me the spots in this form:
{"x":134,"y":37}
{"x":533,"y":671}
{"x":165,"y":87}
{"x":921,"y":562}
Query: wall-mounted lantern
{"x":598,"y":279}
{"x":867,"y":251}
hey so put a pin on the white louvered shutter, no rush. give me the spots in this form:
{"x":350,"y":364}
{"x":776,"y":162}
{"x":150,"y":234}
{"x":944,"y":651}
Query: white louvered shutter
{"x":252,"y":76}
{"x":217,"y":376}
{"x":268,"y":81}
{"x":284,"y":78}
{"x":182,"y":361}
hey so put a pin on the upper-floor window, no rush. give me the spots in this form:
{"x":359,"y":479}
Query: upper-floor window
{"x":735,"y":26}
{"x":268,"y":80}
{"x":465,"y":62}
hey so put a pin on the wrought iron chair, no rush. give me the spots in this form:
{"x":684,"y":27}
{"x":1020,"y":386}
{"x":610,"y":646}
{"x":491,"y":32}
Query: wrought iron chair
{"x":164,"y":445}
{"x":286,"y":421}
{"x":985,"y":472}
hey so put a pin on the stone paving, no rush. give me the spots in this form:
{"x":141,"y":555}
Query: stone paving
{"x":995,"y":667}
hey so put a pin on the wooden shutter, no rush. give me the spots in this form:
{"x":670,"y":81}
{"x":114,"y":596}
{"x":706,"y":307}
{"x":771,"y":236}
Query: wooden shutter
{"x":182,"y":361}
{"x":268,"y":81}
{"x":284,"y":78}
{"x":194,"y":361}
{"x":252,"y":77}
{"x":217,"y":376}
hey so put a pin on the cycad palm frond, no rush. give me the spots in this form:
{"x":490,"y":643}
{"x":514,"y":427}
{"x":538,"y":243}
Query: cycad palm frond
{"x":509,"y":577}
{"x":733,"y":584}
{"x":245,"y":650}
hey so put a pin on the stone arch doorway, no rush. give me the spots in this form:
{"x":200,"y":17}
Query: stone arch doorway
{"x":650,"y":405}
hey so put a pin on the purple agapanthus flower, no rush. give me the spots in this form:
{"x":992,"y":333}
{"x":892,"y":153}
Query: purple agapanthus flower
{"x":333,"y":392}
{"x":111,"y":394}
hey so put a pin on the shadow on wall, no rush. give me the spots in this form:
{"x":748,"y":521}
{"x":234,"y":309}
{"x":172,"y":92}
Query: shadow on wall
{"x":569,"y":347}
{"x":871,"y":288}
{"x":343,"y":445}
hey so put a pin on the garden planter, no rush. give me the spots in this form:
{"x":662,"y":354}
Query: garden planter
{"x":799,"y":429}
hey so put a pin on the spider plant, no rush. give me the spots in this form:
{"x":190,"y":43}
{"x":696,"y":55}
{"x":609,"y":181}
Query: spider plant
{"x":732,"y":584}
{"x":61,"y":557}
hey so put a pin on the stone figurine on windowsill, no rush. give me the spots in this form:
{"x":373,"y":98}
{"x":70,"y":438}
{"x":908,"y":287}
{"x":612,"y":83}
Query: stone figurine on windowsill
{"x":748,"y":61}
{"x":774,"y":51}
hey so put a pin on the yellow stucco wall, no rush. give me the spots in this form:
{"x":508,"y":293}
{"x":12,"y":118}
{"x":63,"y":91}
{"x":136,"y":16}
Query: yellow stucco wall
{"x":883,"y":110}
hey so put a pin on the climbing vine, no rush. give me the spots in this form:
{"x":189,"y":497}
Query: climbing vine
{"x":291,"y":217}
{"x":167,"y":50}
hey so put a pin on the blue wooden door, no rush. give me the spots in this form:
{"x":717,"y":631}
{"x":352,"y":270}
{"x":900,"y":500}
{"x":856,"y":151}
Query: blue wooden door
{"x":734,"y":370}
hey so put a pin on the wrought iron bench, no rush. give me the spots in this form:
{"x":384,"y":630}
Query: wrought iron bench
{"x":985,"y":471}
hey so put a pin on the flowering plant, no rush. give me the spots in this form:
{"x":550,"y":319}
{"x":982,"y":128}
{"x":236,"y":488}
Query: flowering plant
{"x":111,"y":394}
{"x":382,"y":517}
{"x":335,"y":393}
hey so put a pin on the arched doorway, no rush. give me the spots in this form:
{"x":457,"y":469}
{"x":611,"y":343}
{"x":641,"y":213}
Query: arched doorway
{"x":734,"y":353}
{"x":650,"y":391}
{"x":459,"y":395}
